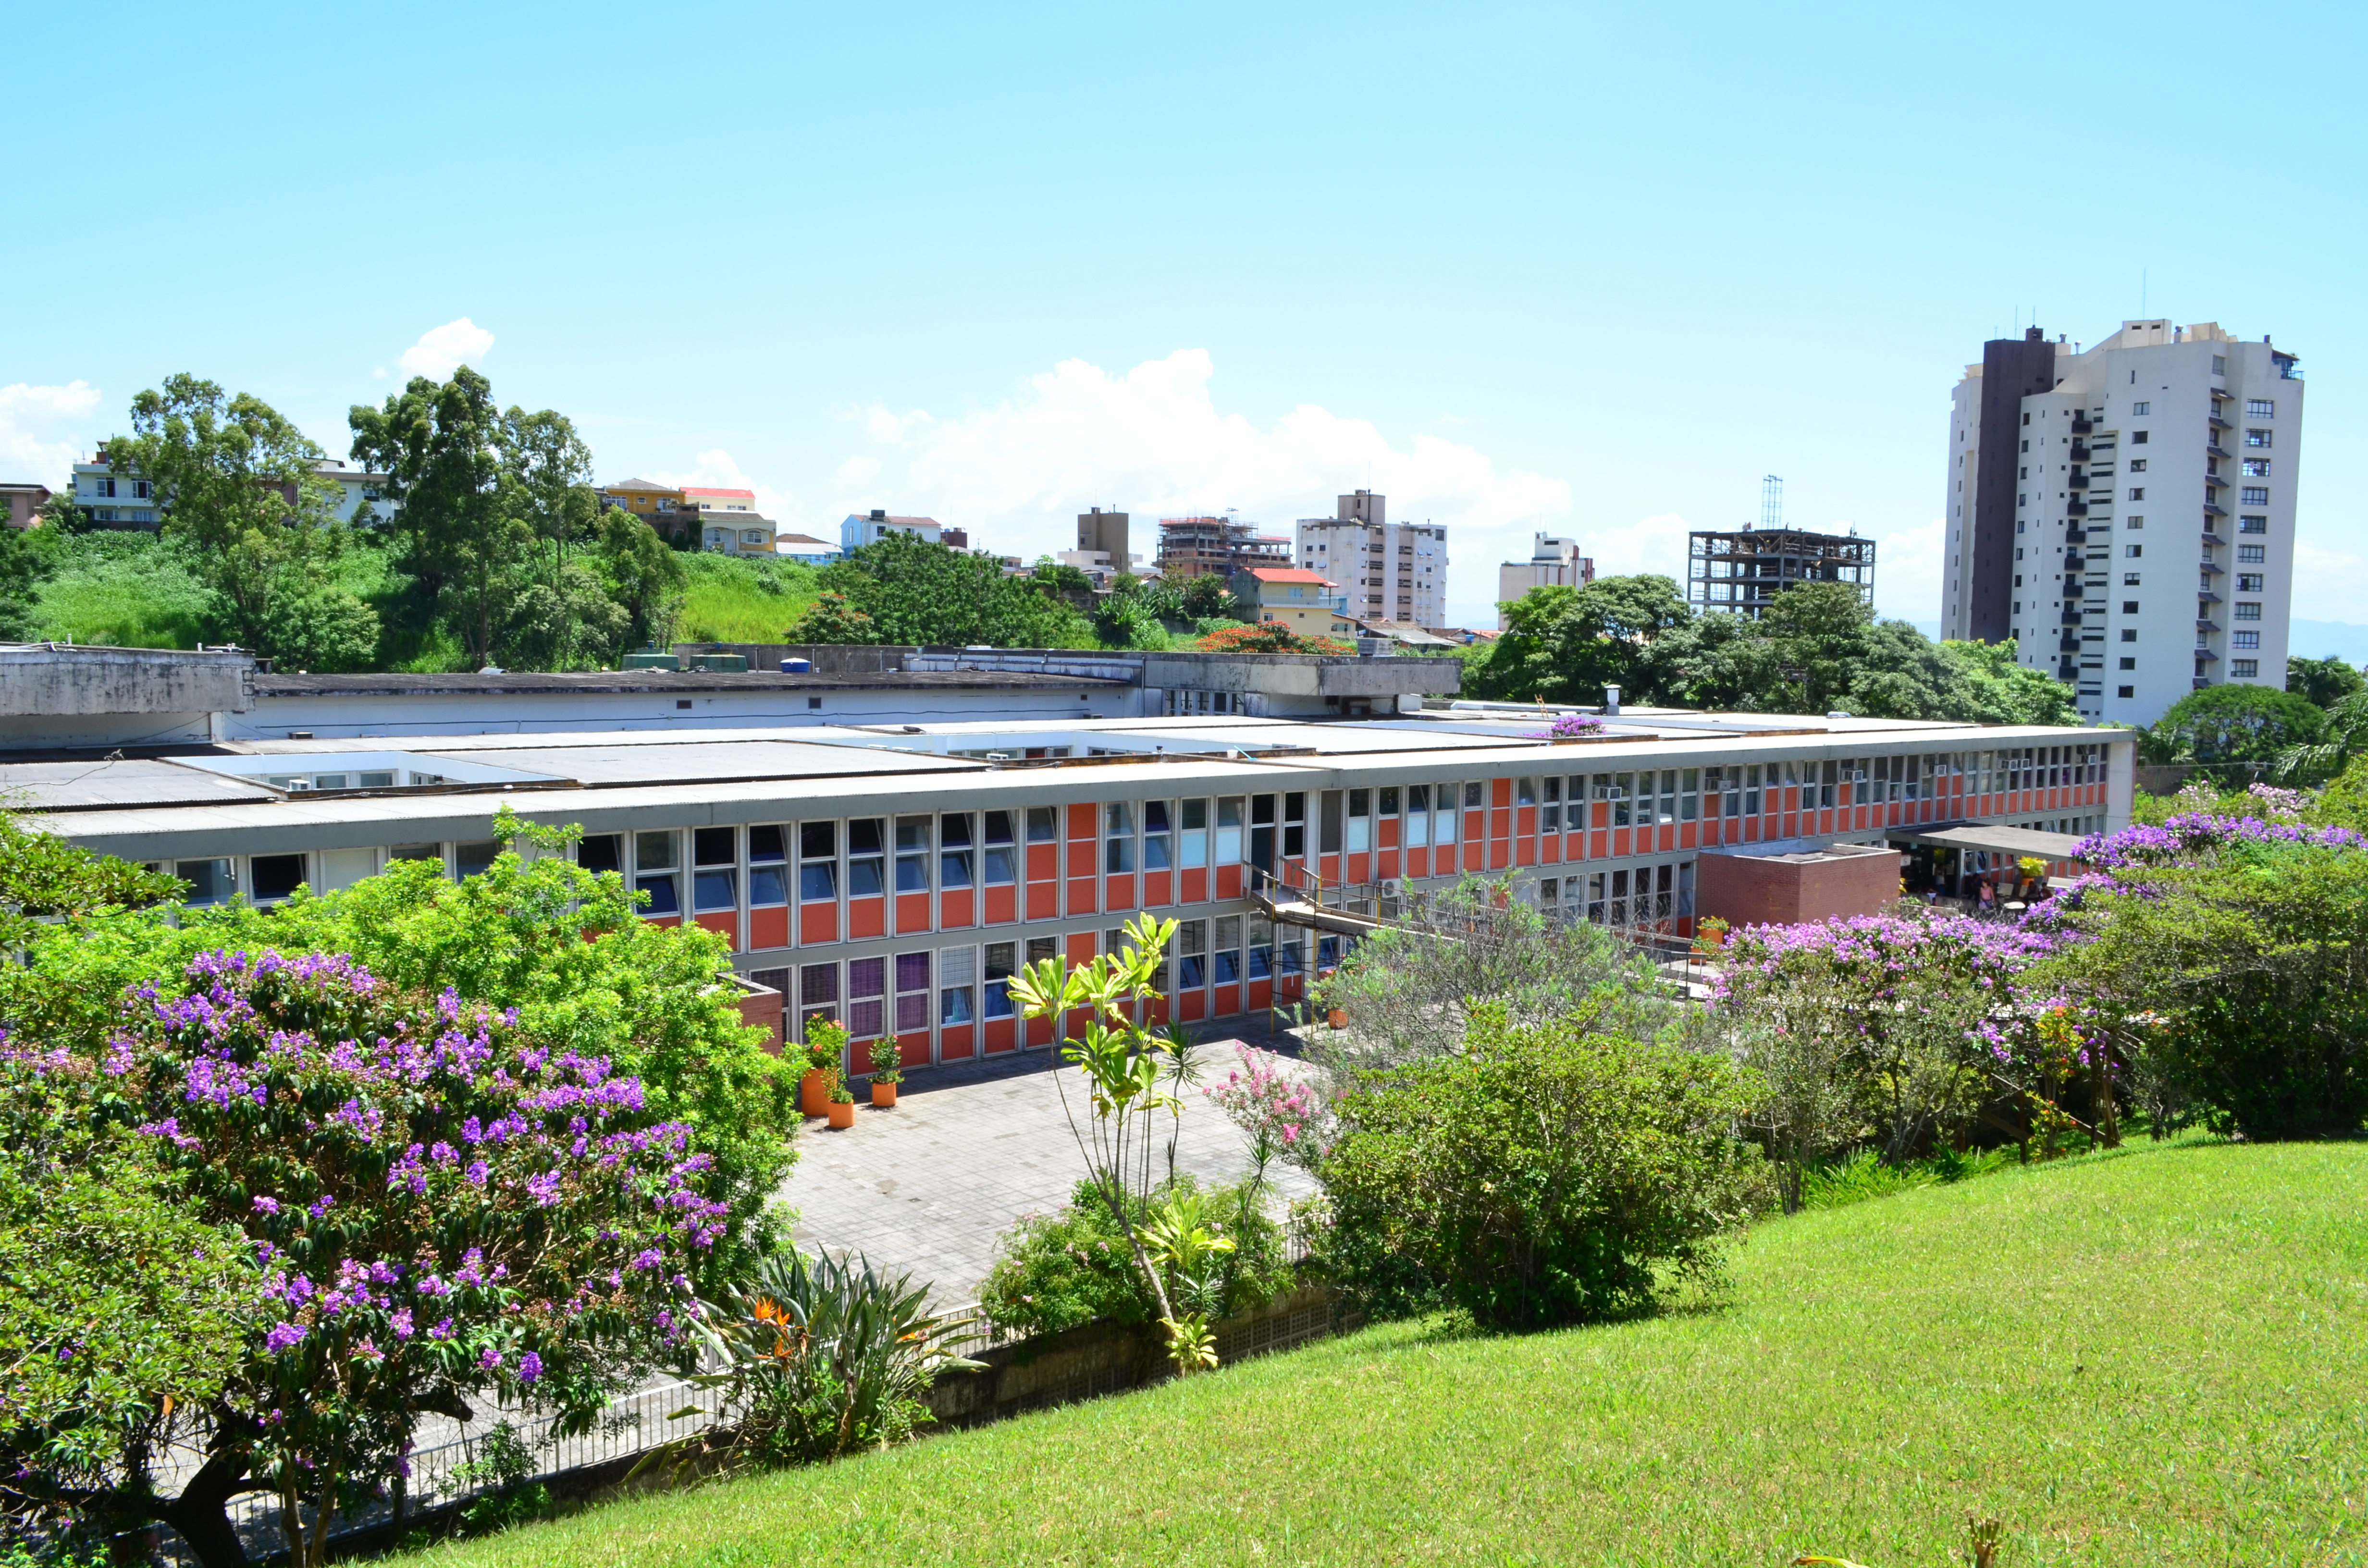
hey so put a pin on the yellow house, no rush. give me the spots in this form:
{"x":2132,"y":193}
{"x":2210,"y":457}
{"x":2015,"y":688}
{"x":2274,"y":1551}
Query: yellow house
{"x":647,"y":499}
{"x":1311,"y":606}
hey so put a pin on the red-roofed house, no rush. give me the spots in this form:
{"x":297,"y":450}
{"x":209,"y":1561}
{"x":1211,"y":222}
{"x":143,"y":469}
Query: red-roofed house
{"x":1310,"y":605}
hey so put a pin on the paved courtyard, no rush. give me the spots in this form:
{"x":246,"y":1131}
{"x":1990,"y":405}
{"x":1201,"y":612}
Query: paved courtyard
{"x":929,"y":1185}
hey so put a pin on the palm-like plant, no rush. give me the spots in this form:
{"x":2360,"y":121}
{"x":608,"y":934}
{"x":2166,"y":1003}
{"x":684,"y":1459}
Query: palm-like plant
{"x":2344,"y":737}
{"x":826,"y":1357}
{"x":1123,"y":1065}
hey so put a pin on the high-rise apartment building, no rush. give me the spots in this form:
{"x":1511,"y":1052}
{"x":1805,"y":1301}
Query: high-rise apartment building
{"x":2127,"y":514}
{"x":1390,"y":571}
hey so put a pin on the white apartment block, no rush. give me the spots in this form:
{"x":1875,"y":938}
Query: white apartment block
{"x":2127,"y":514}
{"x":1389,"y":571}
{"x":126,"y":501}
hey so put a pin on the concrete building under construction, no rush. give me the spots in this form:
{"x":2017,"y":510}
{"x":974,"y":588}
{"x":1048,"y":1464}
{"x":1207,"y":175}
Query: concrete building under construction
{"x":1743,"y":571}
{"x":1191,"y":546}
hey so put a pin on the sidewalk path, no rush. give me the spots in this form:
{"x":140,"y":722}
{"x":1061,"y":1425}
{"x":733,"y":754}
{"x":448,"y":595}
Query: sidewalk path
{"x":931,"y":1186}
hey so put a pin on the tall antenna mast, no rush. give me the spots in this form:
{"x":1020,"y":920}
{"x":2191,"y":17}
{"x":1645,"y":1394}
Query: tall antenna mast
{"x":1771,"y":501}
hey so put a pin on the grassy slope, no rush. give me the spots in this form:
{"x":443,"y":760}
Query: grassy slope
{"x":123,"y":590}
{"x":731,"y":599}
{"x":2154,"y":1357}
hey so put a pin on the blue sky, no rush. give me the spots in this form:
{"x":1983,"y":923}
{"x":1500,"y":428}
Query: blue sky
{"x":1589,"y":271}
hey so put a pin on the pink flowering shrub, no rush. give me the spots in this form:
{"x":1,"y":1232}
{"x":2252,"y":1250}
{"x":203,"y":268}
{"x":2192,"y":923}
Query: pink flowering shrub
{"x":1568,"y":726}
{"x":1281,"y":1117}
{"x":436,"y":1207}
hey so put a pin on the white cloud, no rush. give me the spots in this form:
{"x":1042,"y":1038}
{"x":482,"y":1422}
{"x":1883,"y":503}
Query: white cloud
{"x":717,"y":468}
{"x":42,"y":430}
{"x":443,"y":349}
{"x":1152,"y":442}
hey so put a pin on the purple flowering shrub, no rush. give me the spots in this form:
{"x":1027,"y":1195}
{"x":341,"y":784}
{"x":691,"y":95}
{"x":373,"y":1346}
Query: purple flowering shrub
{"x":1567,"y":727}
{"x":438,"y":1206}
{"x":1888,"y":1029}
{"x":2233,"y":951}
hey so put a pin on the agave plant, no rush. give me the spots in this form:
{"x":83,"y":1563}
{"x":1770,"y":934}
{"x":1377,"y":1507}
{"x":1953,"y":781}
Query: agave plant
{"x":826,"y":1356}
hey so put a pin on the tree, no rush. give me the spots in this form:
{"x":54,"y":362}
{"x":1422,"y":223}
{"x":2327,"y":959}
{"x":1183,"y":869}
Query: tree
{"x":1554,"y":1174}
{"x":1409,"y":990}
{"x":2246,"y":725}
{"x":581,"y":980}
{"x":643,"y":577}
{"x":2001,"y":690}
{"x":1564,"y":645}
{"x":919,"y":594}
{"x":239,"y":482}
{"x":2323,"y":682}
{"x":833,"y":618}
{"x":28,"y":557}
{"x":2342,"y":737}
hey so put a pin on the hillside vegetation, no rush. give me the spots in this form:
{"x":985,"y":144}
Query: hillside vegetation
{"x":2149,"y":1356}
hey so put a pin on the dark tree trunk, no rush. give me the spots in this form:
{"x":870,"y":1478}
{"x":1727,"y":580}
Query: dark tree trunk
{"x":201,"y":1512}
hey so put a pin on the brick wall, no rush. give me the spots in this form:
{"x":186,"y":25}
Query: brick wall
{"x":1772,"y":889}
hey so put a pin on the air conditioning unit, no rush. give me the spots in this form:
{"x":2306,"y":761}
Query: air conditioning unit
{"x":1392,"y":887}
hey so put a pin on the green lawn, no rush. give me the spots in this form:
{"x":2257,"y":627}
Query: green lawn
{"x":2157,"y":1357}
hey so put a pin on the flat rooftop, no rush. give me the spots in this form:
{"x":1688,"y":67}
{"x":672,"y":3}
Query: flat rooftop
{"x":249,"y":783}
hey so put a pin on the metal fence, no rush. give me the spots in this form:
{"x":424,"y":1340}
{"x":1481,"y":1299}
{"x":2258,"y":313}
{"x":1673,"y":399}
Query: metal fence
{"x":440,"y":1473}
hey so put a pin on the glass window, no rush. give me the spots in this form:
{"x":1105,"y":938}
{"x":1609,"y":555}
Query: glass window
{"x":1525,"y":792}
{"x":953,"y":850}
{"x":712,"y":891}
{"x":476,"y":858}
{"x":1622,"y":785}
{"x":1043,"y":825}
{"x":767,"y":887}
{"x":1472,"y":795}
{"x":998,"y":995}
{"x":1192,"y":954}
{"x":1229,"y":949}
{"x":1668,"y":811}
{"x":1155,"y":836}
{"x":1361,"y":821}
{"x":211,"y":881}
{"x":1751,"y":791}
{"x":663,"y":899}
{"x":912,"y":854}
{"x":1442,"y":821}
{"x":957,"y":974}
{"x":1118,"y":841}
{"x":1417,"y":817}
{"x":866,"y":858}
{"x":595,"y":852}
{"x":1550,"y":814}
{"x":274,"y":877}
{"x":1229,"y":831}
{"x":1389,"y":800}
{"x":768,"y":845}
{"x":714,"y":847}
{"x":1196,"y":834}
{"x":999,"y":828}
{"x":912,"y":992}
{"x":1688,"y":796}
{"x":1261,"y":948}
{"x":653,"y":851}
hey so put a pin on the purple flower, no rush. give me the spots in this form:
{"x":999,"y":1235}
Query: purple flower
{"x":282,"y":1336}
{"x":489,"y":1358}
{"x":529,"y":1367}
{"x":267,"y":1205}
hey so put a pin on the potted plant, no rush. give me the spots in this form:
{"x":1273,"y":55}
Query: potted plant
{"x":887,"y":1071}
{"x":826,"y":1044}
{"x":842,"y":1103}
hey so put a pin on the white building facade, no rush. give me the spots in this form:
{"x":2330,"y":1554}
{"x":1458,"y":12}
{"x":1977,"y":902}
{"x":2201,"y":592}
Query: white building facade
{"x":2127,"y":514}
{"x":1389,"y":571}
{"x":127,"y":501}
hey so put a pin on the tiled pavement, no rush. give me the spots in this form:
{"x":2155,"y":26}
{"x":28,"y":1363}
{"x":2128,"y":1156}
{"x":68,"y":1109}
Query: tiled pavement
{"x":929,"y":1185}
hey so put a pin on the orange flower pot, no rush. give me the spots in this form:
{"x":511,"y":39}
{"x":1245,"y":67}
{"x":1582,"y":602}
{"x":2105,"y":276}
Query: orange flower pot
{"x":1339,"y":1020}
{"x":842,"y":1114}
{"x":884,"y":1096}
{"x":813,"y":1092}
